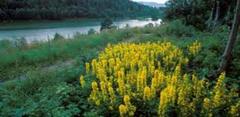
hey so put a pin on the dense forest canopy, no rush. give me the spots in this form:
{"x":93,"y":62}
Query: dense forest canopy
{"x":61,"y":9}
{"x":201,"y":13}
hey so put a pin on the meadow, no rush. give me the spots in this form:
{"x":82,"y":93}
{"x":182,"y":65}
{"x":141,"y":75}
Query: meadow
{"x":92,"y":75}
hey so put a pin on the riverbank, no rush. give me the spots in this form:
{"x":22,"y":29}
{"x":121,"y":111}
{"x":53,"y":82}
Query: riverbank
{"x":16,"y":57}
{"x":45,"y":30}
{"x":43,"y":24}
{"x":51,"y":69}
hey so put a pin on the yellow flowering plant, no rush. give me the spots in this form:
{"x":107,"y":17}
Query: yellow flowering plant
{"x":194,"y":48}
{"x":148,"y":79}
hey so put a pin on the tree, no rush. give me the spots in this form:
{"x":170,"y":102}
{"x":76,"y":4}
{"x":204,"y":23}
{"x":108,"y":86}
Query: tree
{"x":57,"y":36}
{"x":202,"y":14}
{"x":231,"y":41}
{"x":91,"y":31}
{"x":154,"y":18}
{"x":3,"y":15}
{"x":217,"y":14}
{"x":106,"y":24}
{"x":60,"y":9}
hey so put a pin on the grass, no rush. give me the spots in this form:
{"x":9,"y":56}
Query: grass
{"x":40,"y":54}
{"x":39,"y":80}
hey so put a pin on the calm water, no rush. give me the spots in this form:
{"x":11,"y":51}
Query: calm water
{"x":44,"y":30}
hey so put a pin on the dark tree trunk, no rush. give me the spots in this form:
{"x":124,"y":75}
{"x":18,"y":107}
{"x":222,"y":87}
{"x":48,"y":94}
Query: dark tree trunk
{"x":231,"y":41}
{"x":228,"y":18}
{"x":217,"y":14}
{"x":211,"y":18}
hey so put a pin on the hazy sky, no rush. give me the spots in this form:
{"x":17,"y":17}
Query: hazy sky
{"x":158,"y":1}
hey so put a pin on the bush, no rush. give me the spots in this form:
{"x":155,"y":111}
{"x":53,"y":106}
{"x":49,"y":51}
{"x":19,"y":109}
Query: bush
{"x":176,"y":28}
{"x":106,"y":24}
{"x":4,"y":44}
{"x":58,"y":37}
{"x":91,"y":31}
{"x":21,"y":43}
{"x":45,"y":94}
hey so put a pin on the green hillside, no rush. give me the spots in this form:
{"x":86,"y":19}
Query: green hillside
{"x":62,"y":9}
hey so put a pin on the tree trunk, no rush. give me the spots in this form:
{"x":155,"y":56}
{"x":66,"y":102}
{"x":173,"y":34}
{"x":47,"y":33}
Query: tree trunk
{"x":210,"y":20}
{"x":228,"y":18}
{"x":217,"y":14}
{"x":232,"y":38}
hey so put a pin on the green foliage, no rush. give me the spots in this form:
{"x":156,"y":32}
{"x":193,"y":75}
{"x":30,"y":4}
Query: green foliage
{"x":21,"y":43}
{"x":106,"y":24}
{"x":58,"y":37}
{"x":5,"y":44}
{"x":43,"y":94}
{"x":62,"y":9}
{"x":200,"y":13}
{"x":176,"y":28}
{"x":154,"y":18}
{"x":15,"y":60}
{"x":91,"y":31}
{"x":38,"y":91}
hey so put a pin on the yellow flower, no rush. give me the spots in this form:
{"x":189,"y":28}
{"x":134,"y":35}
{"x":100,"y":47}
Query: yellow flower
{"x":121,"y":86}
{"x":163,"y":102}
{"x":154,"y":85}
{"x":94,"y":65}
{"x":111,"y":93}
{"x":207,"y":104}
{"x":82,"y":81}
{"x":98,"y":102}
{"x":235,"y":110}
{"x":87,"y":65}
{"x":147,"y":94}
{"x":220,"y":82}
{"x":130,"y":107}
{"x":103,"y":87}
{"x":123,"y":110}
{"x":94,"y":94}
{"x":194,"y":48}
{"x":218,"y":91}
{"x":126,"y":100}
{"x":140,"y":71}
{"x":167,"y":97}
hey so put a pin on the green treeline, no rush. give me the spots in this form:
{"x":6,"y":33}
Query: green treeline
{"x":203,"y":14}
{"x":62,"y":9}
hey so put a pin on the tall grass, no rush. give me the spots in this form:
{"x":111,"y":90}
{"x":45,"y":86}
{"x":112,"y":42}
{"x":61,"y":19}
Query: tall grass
{"x":37,"y":54}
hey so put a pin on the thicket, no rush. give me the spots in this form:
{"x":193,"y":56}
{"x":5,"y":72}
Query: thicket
{"x":203,"y":14}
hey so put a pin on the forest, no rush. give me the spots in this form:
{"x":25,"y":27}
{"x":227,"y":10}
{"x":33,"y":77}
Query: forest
{"x":188,"y":65}
{"x":203,"y":14}
{"x":63,"y":9}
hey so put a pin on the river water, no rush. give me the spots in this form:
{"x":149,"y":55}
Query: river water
{"x":44,"y":30}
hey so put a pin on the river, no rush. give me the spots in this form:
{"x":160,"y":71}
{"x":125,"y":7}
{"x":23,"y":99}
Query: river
{"x":44,"y":30}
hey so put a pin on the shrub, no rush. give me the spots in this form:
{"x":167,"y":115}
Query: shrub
{"x":175,"y":28}
{"x":91,"y":31}
{"x":58,"y":37}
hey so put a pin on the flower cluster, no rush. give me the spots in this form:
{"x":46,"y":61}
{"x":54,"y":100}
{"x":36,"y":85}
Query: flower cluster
{"x":194,"y":48}
{"x":151,"y":71}
{"x":126,"y":109}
